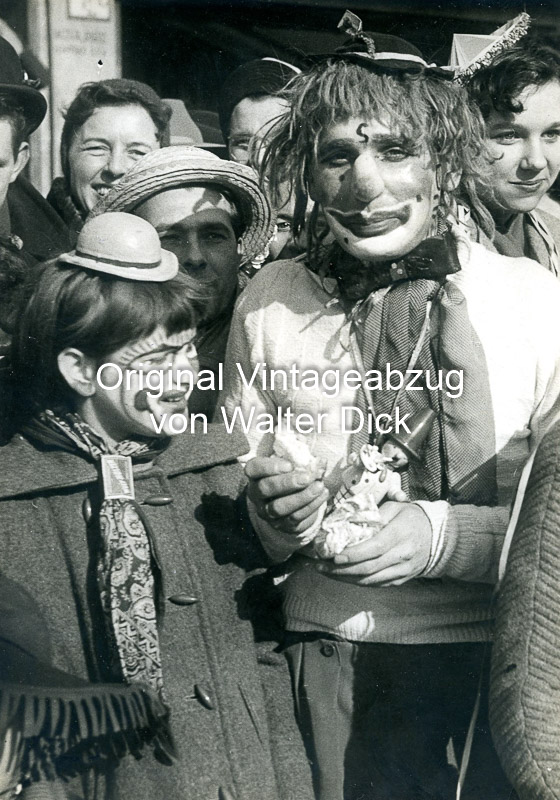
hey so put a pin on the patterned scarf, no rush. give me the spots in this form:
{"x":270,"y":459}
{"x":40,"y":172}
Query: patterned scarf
{"x":126,"y":565}
{"x":423,"y":323}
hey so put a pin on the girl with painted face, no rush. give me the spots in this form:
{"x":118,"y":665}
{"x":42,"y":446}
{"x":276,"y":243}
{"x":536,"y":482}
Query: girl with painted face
{"x":518,"y":93}
{"x":132,"y":542}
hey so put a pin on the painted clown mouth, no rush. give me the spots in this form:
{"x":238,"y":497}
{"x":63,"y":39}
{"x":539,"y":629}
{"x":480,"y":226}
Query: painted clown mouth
{"x":174,"y":398}
{"x":364,"y":224}
{"x":173,"y":401}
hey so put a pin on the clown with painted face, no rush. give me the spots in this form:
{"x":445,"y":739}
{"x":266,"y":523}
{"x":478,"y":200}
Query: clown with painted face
{"x":386,"y":639}
{"x":119,"y":526}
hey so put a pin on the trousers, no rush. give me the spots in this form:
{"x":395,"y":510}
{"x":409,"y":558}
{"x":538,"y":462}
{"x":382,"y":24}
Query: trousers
{"x":389,"y":722}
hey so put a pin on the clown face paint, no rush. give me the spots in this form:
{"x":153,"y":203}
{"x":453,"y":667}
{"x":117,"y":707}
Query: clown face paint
{"x":127,"y":402}
{"x":377,"y":190}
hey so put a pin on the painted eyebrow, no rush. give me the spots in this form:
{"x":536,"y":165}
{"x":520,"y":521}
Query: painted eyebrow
{"x":380,"y":138}
{"x":171,"y":348}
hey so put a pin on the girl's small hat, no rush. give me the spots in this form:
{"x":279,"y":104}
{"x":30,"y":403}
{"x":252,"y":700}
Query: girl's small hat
{"x":471,"y":52}
{"x":177,"y":166}
{"x":122,"y":245}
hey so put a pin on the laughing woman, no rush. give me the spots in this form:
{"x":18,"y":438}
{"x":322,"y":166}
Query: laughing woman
{"x":518,"y":93}
{"x":132,"y":543}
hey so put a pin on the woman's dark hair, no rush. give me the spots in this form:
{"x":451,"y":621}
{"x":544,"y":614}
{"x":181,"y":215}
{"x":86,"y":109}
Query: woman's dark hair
{"x":531,"y":62}
{"x":113,"y":92}
{"x":97,"y":314}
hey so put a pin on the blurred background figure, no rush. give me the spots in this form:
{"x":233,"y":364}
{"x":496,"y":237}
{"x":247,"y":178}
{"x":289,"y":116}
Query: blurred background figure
{"x":108,"y":126}
{"x":194,"y":127}
{"x":516,"y":86}
{"x":24,"y":215}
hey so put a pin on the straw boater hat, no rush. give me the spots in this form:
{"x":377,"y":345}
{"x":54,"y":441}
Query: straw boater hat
{"x":124,"y":246}
{"x":173,"y":167}
{"x":54,"y":724}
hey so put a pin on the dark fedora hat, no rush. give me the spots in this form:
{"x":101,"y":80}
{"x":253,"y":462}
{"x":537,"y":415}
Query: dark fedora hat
{"x":15,"y":86}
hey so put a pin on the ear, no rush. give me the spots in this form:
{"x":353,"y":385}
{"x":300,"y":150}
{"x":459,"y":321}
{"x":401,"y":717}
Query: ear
{"x":20,"y":161}
{"x":240,"y":248}
{"x":78,"y":370}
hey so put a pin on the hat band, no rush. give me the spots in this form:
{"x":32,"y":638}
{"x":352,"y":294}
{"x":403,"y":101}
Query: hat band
{"x":392,"y":57}
{"x":117,"y":262}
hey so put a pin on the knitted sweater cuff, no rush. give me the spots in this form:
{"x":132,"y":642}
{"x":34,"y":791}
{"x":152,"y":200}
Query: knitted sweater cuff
{"x":472,"y":540}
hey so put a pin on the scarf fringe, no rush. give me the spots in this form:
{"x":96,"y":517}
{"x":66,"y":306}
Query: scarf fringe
{"x":60,"y":734}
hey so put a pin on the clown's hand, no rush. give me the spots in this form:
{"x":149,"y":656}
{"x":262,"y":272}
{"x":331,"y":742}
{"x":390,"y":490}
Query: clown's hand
{"x":398,"y":552}
{"x":289,"y":500}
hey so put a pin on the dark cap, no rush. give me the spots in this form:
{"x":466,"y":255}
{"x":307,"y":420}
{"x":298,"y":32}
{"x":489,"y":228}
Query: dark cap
{"x":259,"y":77}
{"x":15,"y":86}
{"x":382,"y":50}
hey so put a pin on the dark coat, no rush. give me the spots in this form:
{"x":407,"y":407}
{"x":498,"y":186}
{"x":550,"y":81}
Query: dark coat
{"x":43,"y":233}
{"x":204,"y":547}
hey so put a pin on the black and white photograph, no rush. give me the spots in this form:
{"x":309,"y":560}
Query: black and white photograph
{"x":279,"y":400}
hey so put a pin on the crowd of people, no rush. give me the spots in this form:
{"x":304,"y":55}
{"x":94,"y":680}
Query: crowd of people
{"x":267,"y":426}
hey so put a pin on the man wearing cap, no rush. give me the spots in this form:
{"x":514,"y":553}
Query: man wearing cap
{"x":249,"y":107}
{"x":248,"y":103}
{"x":24,"y":214}
{"x":388,"y":638}
{"x":213,"y":215}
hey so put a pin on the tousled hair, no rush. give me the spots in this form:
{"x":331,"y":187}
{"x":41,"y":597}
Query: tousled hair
{"x":95,"y":313}
{"x":530,"y":62}
{"x":113,"y":92}
{"x":424,"y":109}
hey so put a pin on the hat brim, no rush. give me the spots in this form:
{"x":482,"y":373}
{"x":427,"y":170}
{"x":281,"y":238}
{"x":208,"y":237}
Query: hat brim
{"x":164,"y":271}
{"x":392,"y":64}
{"x":31,"y":100}
{"x":226,"y":176}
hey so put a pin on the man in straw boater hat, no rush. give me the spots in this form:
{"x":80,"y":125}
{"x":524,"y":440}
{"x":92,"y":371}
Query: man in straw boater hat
{"x":213,"y":215}
{"x":402,"y":314}
{"x":24,"y":213}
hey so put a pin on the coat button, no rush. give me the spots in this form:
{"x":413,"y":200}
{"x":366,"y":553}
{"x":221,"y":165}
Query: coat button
{"x":203,"y":697}
{"x":182,"y":599}
{"x":225,"y":794}
{"x":157,"y":500}
{"x":86,"y":510}
{"x":327,"y":649}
